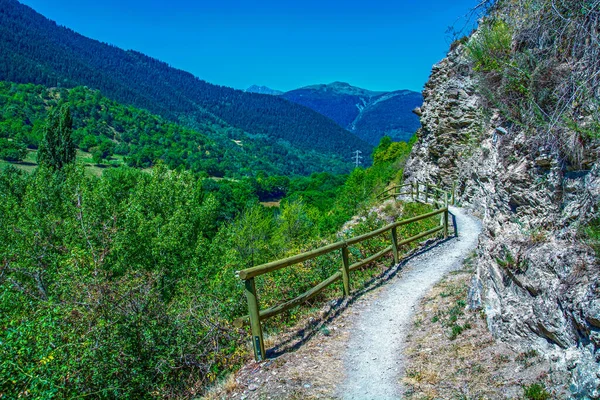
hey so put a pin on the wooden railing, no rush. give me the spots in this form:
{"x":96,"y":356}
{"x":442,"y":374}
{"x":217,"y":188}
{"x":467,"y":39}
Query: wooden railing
{"x":422,"y":192}
{"x":430,"y":194}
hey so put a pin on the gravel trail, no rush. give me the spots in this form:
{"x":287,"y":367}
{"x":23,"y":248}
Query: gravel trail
{"x":373,"y":363}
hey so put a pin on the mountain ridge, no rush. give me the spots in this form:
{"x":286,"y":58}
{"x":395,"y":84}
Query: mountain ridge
{"x":263,"y":90}
{"x":42,"y":52}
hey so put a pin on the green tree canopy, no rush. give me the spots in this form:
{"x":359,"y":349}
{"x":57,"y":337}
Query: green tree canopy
{"x":57,"y":148}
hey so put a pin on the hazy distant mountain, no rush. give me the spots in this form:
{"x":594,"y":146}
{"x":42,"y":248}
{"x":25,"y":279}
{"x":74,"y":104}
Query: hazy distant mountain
{"x":37,"y":50}
{"x":368,"y":114}
{"x":263,"y":90}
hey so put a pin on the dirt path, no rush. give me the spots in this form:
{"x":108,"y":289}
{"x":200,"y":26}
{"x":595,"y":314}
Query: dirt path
{"x":373,"y":361}
{"x":353,"y":349}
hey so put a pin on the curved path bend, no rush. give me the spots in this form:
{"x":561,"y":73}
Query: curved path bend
{"x":373,"y":364}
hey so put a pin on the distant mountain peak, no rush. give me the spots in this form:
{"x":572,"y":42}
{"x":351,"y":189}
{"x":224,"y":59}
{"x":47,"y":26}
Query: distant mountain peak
{"x":263,"y":90}
{"x":366,"y":113}
{"x":338,"y":83}
{"x":343,"y":88}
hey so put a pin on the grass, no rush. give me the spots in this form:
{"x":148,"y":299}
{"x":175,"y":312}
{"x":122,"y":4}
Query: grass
{"x":491,"y":48}
{"x":592,"y":236}
{"x":27,"y":165}
{"x":30,"y":162}
{"x":450,"y":352}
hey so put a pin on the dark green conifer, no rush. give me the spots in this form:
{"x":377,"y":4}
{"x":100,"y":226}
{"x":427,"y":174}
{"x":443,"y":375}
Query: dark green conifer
{"x":57,"y":148}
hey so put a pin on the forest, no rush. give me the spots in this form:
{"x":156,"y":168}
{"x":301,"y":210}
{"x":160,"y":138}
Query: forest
{"x":123,"y":285}
{"x":112,"y":132}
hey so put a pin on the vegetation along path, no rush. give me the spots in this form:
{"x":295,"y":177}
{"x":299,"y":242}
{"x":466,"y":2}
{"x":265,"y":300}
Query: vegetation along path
{"x":373,"y":362}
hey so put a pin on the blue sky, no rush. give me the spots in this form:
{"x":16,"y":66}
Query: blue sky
{"x":374,"y":44}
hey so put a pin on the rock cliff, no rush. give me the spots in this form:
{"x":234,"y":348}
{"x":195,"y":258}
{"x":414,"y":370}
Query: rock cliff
{"x":537,"y":279}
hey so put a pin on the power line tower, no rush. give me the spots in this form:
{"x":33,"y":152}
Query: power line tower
{"x":357,"y":157}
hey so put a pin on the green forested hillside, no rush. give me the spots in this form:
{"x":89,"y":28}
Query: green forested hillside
{"x":106,"y":128}
{"x":123,"y":286}
{"x":36,"y":50}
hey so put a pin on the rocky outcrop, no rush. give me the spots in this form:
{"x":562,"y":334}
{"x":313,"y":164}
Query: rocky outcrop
{"x":536,"y":279}
{"x":450,"y":120}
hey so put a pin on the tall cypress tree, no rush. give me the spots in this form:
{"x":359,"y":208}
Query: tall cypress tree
{"x":57,"y":148}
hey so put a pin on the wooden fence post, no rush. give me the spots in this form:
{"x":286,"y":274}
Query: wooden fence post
{"x":395,"y":245}
{"x":253,"y":311}
{"x":446,"y":223}
{"x":453,"y":193}
{"x":412,"y":191}
{"x":417,"y":189}
{"x":426,"y":192}
{"x":346,"y":271}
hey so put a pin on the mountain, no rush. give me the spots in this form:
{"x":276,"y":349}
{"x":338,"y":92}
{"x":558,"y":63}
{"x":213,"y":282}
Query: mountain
{"x":263,"y":90}
{"x":37,"y":50}
{"x":369,"y":115}
{"x":141,"y":139}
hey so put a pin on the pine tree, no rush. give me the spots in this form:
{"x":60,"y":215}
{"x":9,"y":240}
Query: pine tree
{"x":57,"y":148}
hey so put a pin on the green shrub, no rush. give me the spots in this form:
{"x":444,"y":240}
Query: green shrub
{"x":12,"y":151}
{"x":106,"y":289}
{"x":516,"y":264}
{"x":536,"y":391}
{"x":490,"y":48}
{"x":124,"y":286}
{"x":592,"y":235}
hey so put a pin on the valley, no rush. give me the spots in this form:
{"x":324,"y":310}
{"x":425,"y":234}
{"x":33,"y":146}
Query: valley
{"x":41,"y":52}
{"x":162,"y":236}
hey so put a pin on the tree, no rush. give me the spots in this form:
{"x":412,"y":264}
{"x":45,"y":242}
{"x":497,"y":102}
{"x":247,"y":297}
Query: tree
{"x":294,"y":224}
{"x":253,"y":230}
{"x":11,"y":151}
{"x":57,"y":148}
{"x":383,"y":145}
{"x":88,"y":142}
{"x":104,"y":151}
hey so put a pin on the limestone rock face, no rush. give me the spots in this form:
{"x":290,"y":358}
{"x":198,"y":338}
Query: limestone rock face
{"x":536,"y":280}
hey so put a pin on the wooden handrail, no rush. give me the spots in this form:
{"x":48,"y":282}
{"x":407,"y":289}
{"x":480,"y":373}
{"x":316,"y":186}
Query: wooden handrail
{"x":256,"y":315}
{"x":269,"y":312}
{"x":286,"y":262}
{"x":394,"y":188}
{"x":275,"y":265}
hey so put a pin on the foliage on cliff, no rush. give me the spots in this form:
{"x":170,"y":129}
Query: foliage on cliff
{"x":539,"y":64}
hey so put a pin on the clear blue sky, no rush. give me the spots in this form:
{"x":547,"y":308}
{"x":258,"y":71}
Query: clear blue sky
{"x":374,"y":44}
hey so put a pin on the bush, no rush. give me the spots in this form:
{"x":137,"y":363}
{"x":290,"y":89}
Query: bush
{"x":106,"y":287}
{"x":537,"y":64}
{"x":592,"y":235}
{"x":124,"y":286}
{"x":490,"y":48}
{"x":11,"y":151}
{"x":88,"y":142}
